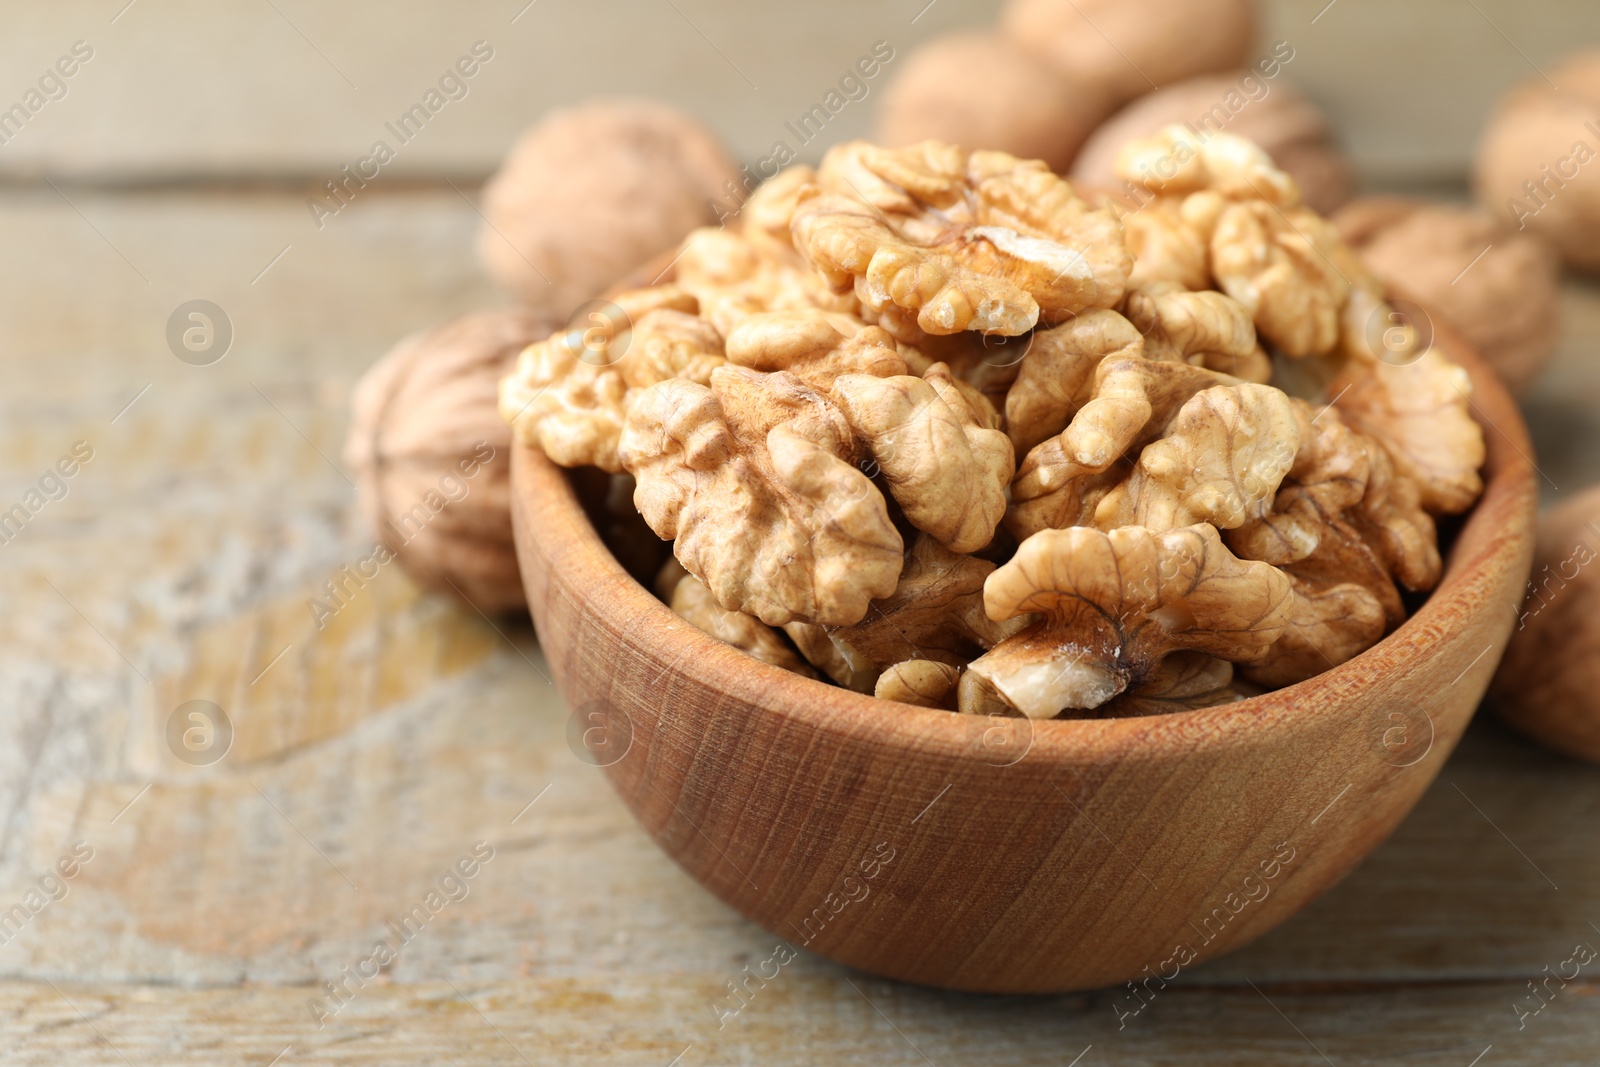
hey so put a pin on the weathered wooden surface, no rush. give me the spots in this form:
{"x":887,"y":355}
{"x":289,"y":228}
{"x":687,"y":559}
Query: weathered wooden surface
{"x":294,"y":88}
{"x":370,"y":755}
{"x":375,"y":753}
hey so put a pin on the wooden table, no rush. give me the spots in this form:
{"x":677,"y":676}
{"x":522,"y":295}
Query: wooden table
{"x":209,"y":904}
{"x":370,"y":756}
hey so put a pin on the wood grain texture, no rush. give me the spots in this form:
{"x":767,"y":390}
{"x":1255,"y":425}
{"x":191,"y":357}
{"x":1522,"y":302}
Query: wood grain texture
{"x":206,"y":517}
{"x":834,"y":1017}
{"x":1075,"y":854}
{"x":184,"y":88}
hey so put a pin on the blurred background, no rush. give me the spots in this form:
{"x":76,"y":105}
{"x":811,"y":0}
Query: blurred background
{"x":287,"y":91}
{"x":175,"y":164}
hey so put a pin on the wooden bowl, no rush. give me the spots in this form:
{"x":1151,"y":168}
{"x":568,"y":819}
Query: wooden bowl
{"x":1000,"y":855}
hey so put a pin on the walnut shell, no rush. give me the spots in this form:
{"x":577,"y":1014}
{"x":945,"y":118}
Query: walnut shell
{"x":432,"y":456}
{"x":980,"y":90}
{"x":1538,"y":162}
{"x":1508,"y":303}
{"x":1548,"y":684}
{"x":1273,"y":113}
{"x":1133,"y":46}
{"x":593,"y":191}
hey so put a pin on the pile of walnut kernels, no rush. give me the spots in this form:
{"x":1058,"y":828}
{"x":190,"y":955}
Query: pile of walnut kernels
{"x":975,"y":440}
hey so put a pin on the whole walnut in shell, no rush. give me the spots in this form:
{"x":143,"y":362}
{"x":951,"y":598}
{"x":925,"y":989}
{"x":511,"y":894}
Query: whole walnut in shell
{"x":431,"y":454}
{"x":1537,"y":161}
{"x":1271,"y":112}
{"x":980,"y":89}
{"x":1548,"y":684}
{"x":1507,"y":303}
{"x":592,"y":192}
{"x":1133,"y":46}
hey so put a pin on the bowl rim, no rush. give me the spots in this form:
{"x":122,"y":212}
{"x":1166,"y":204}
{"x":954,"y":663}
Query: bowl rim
{"x":546,"y":502}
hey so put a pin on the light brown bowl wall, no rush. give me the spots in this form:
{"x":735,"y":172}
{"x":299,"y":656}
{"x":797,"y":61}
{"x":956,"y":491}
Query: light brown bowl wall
{"x":1108,"y":847}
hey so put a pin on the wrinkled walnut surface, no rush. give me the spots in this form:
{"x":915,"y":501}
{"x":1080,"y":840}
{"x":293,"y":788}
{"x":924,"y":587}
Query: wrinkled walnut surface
{"x":1499,"y":286}
{"x":766,"y":456}
{"x":936,"y":612}
{"x":1548,"y":684}
{"x":1113,"y":605}
{"x":593,"y":191}
{"x":978,"y":88}
{"x":1134,"y":46}
{"x":430,"y":454}
{"x":1283,"y":122}
{"x":1202,"y":458}
{"x":688,"y":596}
{"x":1536,"y":127}
{"x":965,"y":241}
{"x":569,"y":393}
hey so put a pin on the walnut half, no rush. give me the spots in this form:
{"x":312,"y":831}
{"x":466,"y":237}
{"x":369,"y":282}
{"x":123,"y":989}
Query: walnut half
{"x":1113,"y":606}
{"x":964,"y":241}
{"x":755,"y":480}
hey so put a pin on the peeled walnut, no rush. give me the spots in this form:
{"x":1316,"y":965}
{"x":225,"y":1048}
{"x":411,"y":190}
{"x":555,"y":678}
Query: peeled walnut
{"x":932,"y":441}
{"x":1548,"y":684}
{"x":1278,"y":265}
{"x":1499,"y":287}
{"x":1134,"y":46}
{"x":432,"y":457}
{"x":1271,"y":113}
{"x":755,"y":480}
{"x":820,"y":651}
{"x":750,"y":266}
{"x":945,"y":468}
{"x":1184,"y":681}
{"x":963,"y":241}
{"x":595,"y":190}
{"x":1156,"y":438}
{"x":1177,"y":160}
{"x":691,"y":600}
{"x":1416,"y":404}
{"x":935,"y":613}
{"x":734,"y":276}
{"x":1220,"y":461}
{"x":1537,"y":161}
{"x":779,"y":460}
{"x":978,"y":88}
{"x":1234,"y":463}
{"x":1391,"y":520}
{"x":1328,"y":477}
{"x":1281,"y":260}
{"x":1345,"y":529}
{"x":1056,"y":376}
{"x":921,"y":682}
{"x":818,"y":347}
{"x":1312,"y":299}
{"x":1202,"y":329}
{"x":1328,"y":624}
{"x":1113,"y":606}
{"x":1169,"y":251}
{"x":569,"y":392}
